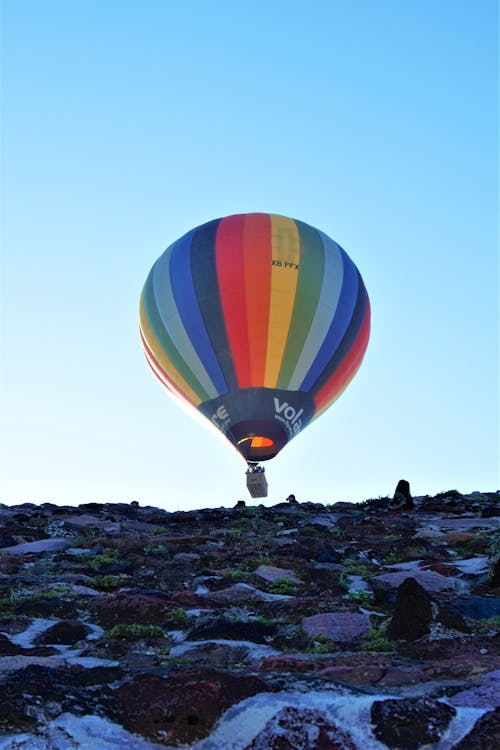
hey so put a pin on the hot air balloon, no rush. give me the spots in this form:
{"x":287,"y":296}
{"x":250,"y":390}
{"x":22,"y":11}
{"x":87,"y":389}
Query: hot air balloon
{"x":259,"y":322}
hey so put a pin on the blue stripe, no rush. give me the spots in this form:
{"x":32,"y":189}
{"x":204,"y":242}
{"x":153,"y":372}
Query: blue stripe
{"x":339,"y":324}
{"x":189,"y":310}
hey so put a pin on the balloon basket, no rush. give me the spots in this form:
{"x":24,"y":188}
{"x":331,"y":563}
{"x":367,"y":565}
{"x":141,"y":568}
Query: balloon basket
{"x":256,"y":481}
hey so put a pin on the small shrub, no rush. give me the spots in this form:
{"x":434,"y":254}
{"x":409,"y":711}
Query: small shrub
{"x":284,"y":586}
{"x":376,"y":640}
{"x":103,"y":560}
{"x":448,"y":493}
{"x":177,"y":618}
{"x":321,"y":644}
{"x":354,"y":567}
{"x":363,"y":598}
{"x":134,"y":631}
{"x":155,"y":549}
{"x":107,"y":582}
{"x":8,"y":603}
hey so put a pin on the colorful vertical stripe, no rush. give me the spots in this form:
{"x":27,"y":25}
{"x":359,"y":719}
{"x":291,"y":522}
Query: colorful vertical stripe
{"x":255,"y":301}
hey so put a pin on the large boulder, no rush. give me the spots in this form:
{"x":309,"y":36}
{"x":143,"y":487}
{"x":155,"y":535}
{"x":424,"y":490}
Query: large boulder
{"x":409,"y":723}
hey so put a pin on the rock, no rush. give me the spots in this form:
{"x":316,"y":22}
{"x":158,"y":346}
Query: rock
{"x":184,"y":708}
{"x":38,"y":693}
{"x":485,"y":695}
{"x":253,"y":630}
{"x":244,"y":593}
{"x":429,"y":534}
{"x":402,"y":499}
{"x":293,"y":728}
{"x":413,"y":612}
{"x":484,"y":735}
{"x":7,"y":648}
{"x":477,"y":607}
{"x":271,"y":574}
{"x":38,"y":547}
{"x":361,"y":675}
{"x":131,"y":608}
{"x":46,"y":607}
{"x":340,"y":627}
{"x":409,"y":723}
{"x":57,"y":596}
{"x":66,"y":632}
{"x":385,"y":585}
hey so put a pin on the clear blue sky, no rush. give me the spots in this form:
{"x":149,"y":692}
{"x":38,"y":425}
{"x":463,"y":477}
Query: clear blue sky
{"x":126,"y":123}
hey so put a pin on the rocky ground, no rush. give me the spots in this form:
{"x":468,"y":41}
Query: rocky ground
{"x":293,"y":627}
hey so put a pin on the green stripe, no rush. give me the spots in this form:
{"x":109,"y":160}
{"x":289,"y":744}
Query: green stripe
{"x":311,"y":270}
{"x":167,"y":344}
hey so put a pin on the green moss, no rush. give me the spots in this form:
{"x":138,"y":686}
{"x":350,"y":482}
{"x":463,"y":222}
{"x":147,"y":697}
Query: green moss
{"x":354,"y":567}
{"x":363,"y":598}
{"x":108,"y":582}
{"x":376,"y":640}
{"x":177,"y":618}
{"x":134,"y":631}
{"x":8,"y":604}
{"x":155,"y":549}
{"x":448,"y":493}
{"x":321,"y":644}
{"x":102,"y":561}
{"x":284,"y":586}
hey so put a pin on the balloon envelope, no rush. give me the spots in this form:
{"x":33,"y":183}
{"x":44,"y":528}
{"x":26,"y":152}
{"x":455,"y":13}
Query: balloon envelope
{"x":259,"y":322}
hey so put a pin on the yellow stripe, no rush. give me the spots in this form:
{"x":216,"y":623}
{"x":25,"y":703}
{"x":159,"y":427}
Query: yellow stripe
{"x":161,"y":358}
{"x":284,"y":276}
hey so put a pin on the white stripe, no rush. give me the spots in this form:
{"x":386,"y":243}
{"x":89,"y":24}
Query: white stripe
{"x":329,"y":296}
{"x":169,"y":314}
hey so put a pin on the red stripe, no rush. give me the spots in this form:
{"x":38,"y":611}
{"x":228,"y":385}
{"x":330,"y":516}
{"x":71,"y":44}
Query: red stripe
{"x":231,"y":279}
{"x":344,"y":374}
{"x":258,"y":258}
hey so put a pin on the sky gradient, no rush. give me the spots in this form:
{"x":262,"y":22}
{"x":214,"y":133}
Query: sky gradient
{"x":125,"y":124}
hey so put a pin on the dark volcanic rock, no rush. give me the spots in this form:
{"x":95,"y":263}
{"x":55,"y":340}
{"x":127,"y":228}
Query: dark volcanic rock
{"x":7,"y":648}
{"x":293,"y":728}
{"x":46,"y":606}
{"x":412,"y":614}
{"x":66,"y":632}
{"x":408,"y":724}
{"x":130,"y":608}
{"x":340,"y":627}
{"x":190,"y":572}
{"x":255,"y":631}
{"x":484,"y":735}
{"x":477,"y":607}
{"x":402,"y":499}
{"x":35,"y":693}
{"x":184,"y":708}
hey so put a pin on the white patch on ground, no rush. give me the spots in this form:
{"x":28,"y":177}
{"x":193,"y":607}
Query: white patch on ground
{"x":472,"y":565}
{"x":251,"y":590}
{"x":90,"y":662}
{"x":38,"y":626}
{"x":243,"y":722}
{"x":255,"y":650}
{"x":201,"y":590}
{"x":411,"y":565}
{"x":237,"y":727}
{"x":69,"y":732}
{"x":357,"y":583}
{"x":178,"y":636}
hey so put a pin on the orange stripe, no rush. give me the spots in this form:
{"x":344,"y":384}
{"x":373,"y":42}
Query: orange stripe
{"x":345,"y":373}
{"x":231,"y":280}
{"x":257,"y":253}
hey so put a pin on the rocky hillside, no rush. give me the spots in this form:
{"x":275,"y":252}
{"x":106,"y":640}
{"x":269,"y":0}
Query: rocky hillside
{"x":293,"y":627}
